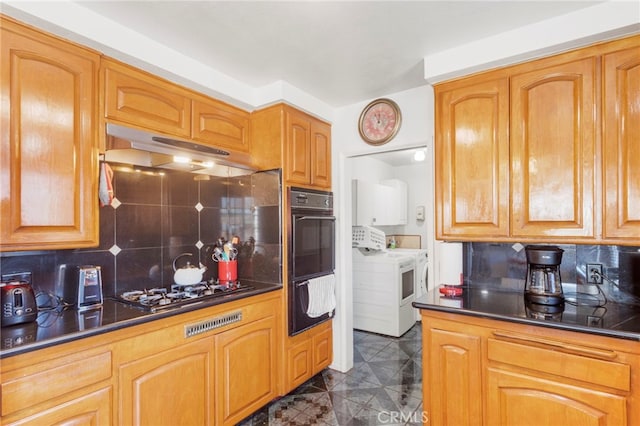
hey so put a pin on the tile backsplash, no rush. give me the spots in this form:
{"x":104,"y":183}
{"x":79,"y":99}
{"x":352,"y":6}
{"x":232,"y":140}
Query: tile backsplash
{"x":157,"y":216}
{"x":501,"y":265}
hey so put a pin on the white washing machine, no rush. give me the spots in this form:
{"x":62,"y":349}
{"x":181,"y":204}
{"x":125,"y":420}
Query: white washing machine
{"x":383,"y":290}
{"x":422,"y":271}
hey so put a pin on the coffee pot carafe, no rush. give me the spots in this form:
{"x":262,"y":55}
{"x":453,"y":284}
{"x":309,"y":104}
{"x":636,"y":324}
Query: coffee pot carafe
{"x":543,"y":284}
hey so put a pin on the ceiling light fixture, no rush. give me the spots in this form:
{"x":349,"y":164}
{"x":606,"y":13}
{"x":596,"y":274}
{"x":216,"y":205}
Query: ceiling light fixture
{"x":419,"y":155}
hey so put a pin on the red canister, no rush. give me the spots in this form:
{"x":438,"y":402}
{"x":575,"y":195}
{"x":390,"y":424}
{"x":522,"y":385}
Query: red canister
{"x":228,"y":271}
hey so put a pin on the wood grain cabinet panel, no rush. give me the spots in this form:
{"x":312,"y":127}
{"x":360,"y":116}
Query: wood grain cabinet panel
{"x":307,"y":354}
{"x":553,"y":131}
{"x":285,"y":137}
{"x":517,"y":399}
{"x":322,"y":349}
{"x":220,"y":125}
{"x":246,"y":369}
{"x":142,"y":100}
{"x":490,"y":372}
{"x":298,"y":149}
{"x":92,"y":409}
{"x":472,"y":160}
{"x":559,"y":134}
{"x":49,"y":162}
{"x":621,"y":145}
{"x":299,"y":360}
{"x":320,"y":154}
{"x":453,"y":361}
{"x":171,"y":387}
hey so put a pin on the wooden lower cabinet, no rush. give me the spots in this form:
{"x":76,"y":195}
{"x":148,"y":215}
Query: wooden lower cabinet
{"x":246,"y":370}
{"x":455,"y":361}
{"x":487,"y":372}
{"x":307,"y":354}
{"x":211,"y":366}
{"x":517,"y":398}
{"x":171,"y":387}
{"x":91,"y":409}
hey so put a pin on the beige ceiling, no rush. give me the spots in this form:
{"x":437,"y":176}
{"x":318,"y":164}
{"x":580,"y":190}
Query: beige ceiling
{"x":339,"y":52}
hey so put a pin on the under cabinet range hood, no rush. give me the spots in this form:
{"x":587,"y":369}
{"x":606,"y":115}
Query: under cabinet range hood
{"x":139,"y":148}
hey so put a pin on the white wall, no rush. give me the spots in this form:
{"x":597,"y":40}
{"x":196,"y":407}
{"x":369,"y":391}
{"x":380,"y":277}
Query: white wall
{"x":417,"y":127}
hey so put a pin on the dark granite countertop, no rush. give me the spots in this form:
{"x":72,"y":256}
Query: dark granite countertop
{"x":57,"y":327}
{"x":611,"y":319}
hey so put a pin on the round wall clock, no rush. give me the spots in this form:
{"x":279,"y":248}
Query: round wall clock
{"x":379,"y":121}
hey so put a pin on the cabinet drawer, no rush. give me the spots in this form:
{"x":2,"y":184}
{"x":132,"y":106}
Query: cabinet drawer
{"x":565,"y":360}
{"x":220,"y":125}
{"x":30,"y":386}
{"x":142,"y":100}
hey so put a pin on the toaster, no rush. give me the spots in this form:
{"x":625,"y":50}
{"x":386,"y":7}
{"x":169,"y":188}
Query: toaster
{"x":18,"y":303}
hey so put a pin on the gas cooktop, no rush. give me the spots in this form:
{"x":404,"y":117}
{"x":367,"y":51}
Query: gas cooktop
{"x":160,"y":298}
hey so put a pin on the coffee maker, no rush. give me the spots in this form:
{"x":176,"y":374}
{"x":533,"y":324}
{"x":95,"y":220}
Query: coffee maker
{"x":543,"y":284}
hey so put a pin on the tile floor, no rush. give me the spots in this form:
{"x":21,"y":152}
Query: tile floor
{"x":384,"y":387}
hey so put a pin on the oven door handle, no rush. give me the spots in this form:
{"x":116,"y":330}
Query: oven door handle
{"x":316,"y":218}
{"x":302,"y":283}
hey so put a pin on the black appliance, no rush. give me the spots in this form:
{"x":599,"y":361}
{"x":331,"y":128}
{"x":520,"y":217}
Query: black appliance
{"x":311,"y":253}
{"x":543,"y":284}
{"x":161,"y":298}
{"x":18,"y":303}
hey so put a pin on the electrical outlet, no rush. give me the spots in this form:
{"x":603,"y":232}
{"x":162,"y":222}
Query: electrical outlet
{"x":594,"y":273}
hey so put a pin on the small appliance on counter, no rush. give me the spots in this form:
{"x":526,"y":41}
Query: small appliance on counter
{"x":18,"y":299}
{"x":543,"y":284}
{"x":88,"y":281}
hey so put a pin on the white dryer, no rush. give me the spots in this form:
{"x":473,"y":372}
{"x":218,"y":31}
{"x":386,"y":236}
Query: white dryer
{"x":383,"y":291}
{"x":422,"y":271}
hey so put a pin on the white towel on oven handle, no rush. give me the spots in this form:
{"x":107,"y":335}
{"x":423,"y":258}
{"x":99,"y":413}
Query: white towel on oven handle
{"x":322,"y":298}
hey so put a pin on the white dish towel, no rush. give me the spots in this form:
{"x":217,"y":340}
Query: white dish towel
{"x":322,"y":298}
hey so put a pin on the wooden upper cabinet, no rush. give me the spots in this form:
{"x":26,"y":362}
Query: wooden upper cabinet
{"x":472,"y":159}
{"x":553,"y":131}
{"x":135,"y":97}
{"x":307,"y":150}
{"x":559,"y":134}
{"x":298,"y":149}
{"x":48,"y":140}
{"x":320,"y":154}
{"x":220,"y":125}
{"x":621,"y":144}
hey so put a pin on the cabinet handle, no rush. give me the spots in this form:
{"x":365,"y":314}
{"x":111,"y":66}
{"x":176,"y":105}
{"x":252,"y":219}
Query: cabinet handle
{"x":555,"y":345}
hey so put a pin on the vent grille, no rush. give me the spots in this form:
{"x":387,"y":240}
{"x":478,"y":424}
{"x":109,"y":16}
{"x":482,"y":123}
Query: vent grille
{"x":213,"y":323}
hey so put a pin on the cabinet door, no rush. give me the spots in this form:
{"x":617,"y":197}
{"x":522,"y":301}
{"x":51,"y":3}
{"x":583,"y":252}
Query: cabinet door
{"x":322,"y":349}
{"x":49,"y":161}
{"x":220,"y":125}
{"x":453,"y":371}
{"x":91,"y":409}
{"x":518,"y":399}
{"x":169,"y":388}
{"x":246,"y":370}
{"x":299,"y":364}
{"x":472,"y":160}
{"x":621,"y":119}
{"x":553,"y":129}
{"x":320,"y":155}
{"x":297,"y":149}
{"x":134,"y":97}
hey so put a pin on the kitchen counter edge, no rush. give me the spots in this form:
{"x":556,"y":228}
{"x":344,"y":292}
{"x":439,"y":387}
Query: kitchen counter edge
{"x":138,"y":317}
{"x":426,"y":303}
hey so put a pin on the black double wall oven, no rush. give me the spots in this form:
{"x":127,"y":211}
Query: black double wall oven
{"x":311,"y":253}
